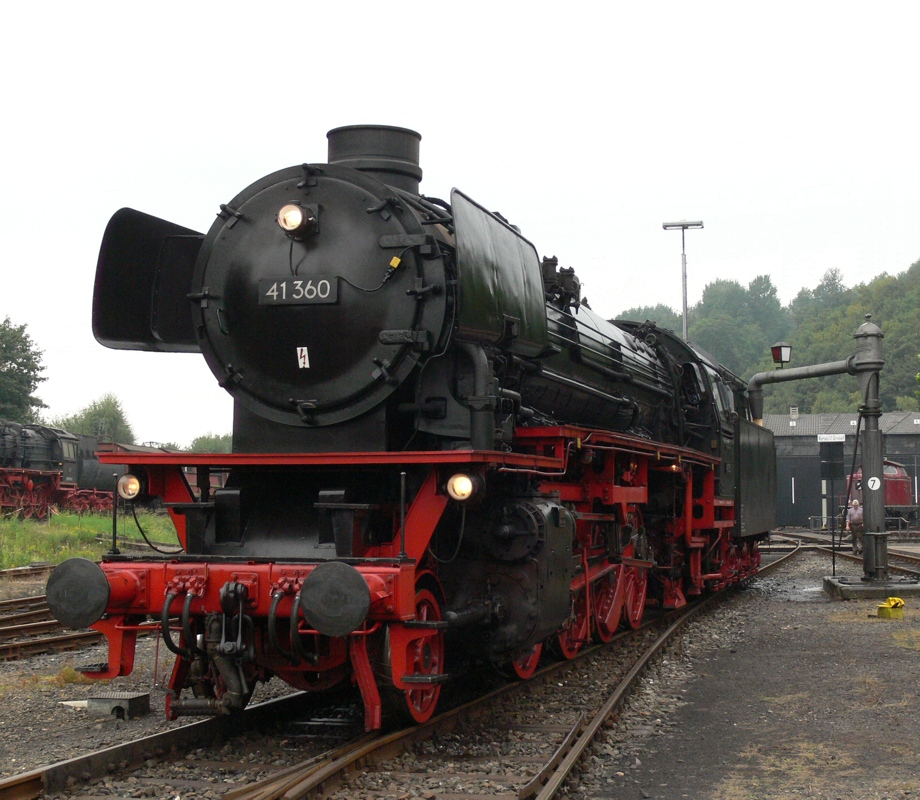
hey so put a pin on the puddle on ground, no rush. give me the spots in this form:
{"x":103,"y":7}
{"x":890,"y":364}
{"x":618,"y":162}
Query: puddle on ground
{"x":805,"y":593}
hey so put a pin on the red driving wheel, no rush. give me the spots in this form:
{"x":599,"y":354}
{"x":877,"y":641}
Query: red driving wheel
{"x":425,"y":657}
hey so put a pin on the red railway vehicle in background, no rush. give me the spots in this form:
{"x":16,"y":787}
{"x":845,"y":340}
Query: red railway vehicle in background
{"x":900,"y":491}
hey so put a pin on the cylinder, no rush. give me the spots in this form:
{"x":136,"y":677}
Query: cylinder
{"x":391,"y":155}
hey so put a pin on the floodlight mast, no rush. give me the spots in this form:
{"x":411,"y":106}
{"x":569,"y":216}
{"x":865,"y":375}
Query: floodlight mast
{"x":683,"y":225}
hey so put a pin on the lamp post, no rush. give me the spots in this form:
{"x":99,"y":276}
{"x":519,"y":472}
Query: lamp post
{"x":682,"y":226}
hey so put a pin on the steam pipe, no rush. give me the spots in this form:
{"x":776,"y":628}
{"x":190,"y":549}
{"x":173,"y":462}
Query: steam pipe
{"x":115,"y":551}
{"x":482,"y":404}
{"x":187,"y":624}
{"x":469,"y":616}
{"x":272,"y":631}
{"x":296,"y":642}
{"x":199,"y":706}
{"x":164,"y":626}
{"x":402,"y":515}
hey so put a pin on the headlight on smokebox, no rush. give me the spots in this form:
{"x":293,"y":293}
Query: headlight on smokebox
{"x":129,"y":486}
{"x":462,"y":486}
{"x":298,"y":221}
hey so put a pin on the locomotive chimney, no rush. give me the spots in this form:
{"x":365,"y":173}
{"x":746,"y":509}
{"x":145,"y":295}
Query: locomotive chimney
{"x":389,"y":154}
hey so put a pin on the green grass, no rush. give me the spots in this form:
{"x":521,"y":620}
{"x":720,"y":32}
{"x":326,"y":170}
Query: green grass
{"x":66,"y":535}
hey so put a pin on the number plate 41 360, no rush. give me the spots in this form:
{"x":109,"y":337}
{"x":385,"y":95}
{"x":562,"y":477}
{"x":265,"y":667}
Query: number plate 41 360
{"x":298,"y":291}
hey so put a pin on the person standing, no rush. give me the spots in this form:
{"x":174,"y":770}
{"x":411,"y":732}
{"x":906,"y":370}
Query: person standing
{"x":855,"y":525}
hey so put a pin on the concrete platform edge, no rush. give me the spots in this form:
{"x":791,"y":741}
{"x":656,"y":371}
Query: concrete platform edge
{"x":850,"y":589}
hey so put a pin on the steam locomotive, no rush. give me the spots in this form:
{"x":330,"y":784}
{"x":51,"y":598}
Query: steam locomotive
{"x":43,"y":466}
{"x":442,"y":457}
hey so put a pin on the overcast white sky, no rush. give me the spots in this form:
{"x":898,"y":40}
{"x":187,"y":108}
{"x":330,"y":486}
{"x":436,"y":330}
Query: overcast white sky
{"x":789,"y":128}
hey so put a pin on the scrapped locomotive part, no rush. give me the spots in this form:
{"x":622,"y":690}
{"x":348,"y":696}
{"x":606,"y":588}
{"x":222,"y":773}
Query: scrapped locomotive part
{"x":441,"y":455}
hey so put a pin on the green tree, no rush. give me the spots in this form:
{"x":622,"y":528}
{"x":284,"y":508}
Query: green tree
{"x":765,"y":310}
{"x":831,"y":291}
{"x":663,"y":316}
{"x":721,"y":297}
{"x":732,"y":343}
{"x":212,"y":443}
{"x":737,"y":326}
{"x":20,"y":373}
{"x":828,"y":295}
{"x":917,"y":379}
{"x":824,"y":321}
{"x":103,"y":418}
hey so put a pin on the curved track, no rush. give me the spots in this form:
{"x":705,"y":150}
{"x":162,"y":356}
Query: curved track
{"x":900,"y":560}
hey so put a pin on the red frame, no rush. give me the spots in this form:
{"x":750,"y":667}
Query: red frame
{"x":699,"y":534}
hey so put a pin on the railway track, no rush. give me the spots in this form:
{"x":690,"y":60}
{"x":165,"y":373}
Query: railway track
{"x":496,"y":751}
{"x":47,"y":644}
{"x":899,"y":557}
{"x":372,"y":770}
{"x":900,"y":561}
{"x":37,"y":570}
{"x":140,"y":545}
{"x":19,"y":604}
{"x":27,"y":629}
{"x":520,"y":740}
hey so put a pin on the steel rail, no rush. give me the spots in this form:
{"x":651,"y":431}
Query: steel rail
{"x":67,"y":641}
{"x":892,"y":556}
{"x":28,"y":623}
{"x":319,"y":775}
{"x":23,"y":603}
{"x":554,"y":781}
{"x":53,"y":778}
{"x":31,"y":571}
{"x":39,"y":614}
{"x":818,"y":543}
